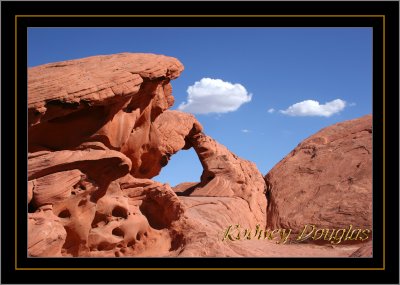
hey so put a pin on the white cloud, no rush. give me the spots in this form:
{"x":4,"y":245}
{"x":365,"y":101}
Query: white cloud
{"x":214,"y":96}
{"x":245,"y":131}
{"x":271,"y":110}
{"x":313,"y":108}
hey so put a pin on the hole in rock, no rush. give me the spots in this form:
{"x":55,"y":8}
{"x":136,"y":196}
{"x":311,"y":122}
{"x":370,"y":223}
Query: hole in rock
{"x":178,"y":240}
{"x":128,"y":109}
{"x":72,"y":242}
{"x":31,"y":208}
{"x":155,"y":214}
{"x":82,"y":202}
{"x":118,"y":232}
{"x":99,"y":220}
{"x":183,"y":168}
{"x":105,"y":246}
{"x":118,"y":211}
{"x":64,"y":214}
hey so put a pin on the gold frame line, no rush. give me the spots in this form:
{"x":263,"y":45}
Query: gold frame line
{"x":200,"y":16}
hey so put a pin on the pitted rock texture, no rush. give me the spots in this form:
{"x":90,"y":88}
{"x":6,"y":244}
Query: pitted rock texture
{"x":326,"y":180}
{"x":120,"y":223}
{"x":99,"y":129}
{"x":90,"y":128}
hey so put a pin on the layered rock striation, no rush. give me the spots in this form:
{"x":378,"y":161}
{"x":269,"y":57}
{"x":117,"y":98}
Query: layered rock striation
{"x":98,"y":131}
{"x":326,"y":180}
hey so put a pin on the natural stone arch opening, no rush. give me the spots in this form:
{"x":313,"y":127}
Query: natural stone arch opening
{"x":184,"y":168}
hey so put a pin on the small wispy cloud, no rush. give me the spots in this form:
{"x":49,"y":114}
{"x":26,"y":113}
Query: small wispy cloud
{"x":314,"y":108}
{"x":352,"y":104}
{"x":271,"y":110}
{"x":214,"y":96}
{"x":245,"y":131}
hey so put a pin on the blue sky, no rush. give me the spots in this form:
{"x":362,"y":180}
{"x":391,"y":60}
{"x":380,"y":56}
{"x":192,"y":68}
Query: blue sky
{"x":277,"y":68}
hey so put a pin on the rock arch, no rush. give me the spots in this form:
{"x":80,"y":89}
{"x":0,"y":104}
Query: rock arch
{"x":100,"y":127}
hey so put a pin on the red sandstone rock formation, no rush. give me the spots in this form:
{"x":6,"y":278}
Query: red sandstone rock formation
{"x":46,"y":234}
{"x":224,"y":173}
{"x":326,"y":180}
{"x":99,"y":129}
{"x":91,"y":123}
{"x":364,"y":251}
{"x":227,"y":175}
{"x":109,"y":99}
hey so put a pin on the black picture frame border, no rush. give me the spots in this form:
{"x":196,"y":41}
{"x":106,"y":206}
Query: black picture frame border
{"x":17,"y":16}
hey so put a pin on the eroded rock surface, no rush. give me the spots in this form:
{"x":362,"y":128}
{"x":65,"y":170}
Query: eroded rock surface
{"x":364,"y":251}
{"x":109,"y":99}
{"x":326,"y":180}
{"x":227,"y":175}
{"x":46,"y":234}
{"x":91,"y":131}
{"x":99,"y":129}
{"x":58,"y":89}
